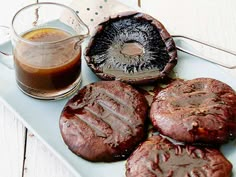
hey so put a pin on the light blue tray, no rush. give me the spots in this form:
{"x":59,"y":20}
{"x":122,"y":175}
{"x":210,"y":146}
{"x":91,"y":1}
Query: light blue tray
{"x":42,"y":117}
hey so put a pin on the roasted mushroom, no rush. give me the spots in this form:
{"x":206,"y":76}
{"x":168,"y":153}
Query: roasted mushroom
{"x":132,"y":47}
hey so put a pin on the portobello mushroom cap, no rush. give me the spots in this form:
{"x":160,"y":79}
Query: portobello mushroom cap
{"x":132,"y":47}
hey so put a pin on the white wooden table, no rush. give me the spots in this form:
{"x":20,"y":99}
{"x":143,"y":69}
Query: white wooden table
{"x":23,"y":155}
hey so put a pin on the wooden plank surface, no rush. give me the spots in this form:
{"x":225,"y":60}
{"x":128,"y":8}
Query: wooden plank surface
{"x":211,"y":21}
{"x":12,"y":143}
{"x":12,"y":132}
{"x":40,"y":162}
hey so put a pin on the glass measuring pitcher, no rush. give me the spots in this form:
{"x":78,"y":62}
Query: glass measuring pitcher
{"x":46,"y":40}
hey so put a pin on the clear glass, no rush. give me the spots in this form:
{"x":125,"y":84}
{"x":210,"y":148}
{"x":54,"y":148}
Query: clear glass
{"x":46,"y":39}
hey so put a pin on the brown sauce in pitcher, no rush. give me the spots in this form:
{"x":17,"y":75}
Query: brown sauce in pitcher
{"x":47,"y":68}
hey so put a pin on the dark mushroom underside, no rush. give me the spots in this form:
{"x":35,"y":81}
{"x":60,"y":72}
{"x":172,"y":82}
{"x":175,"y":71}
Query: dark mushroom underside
{"x":127,"y":48}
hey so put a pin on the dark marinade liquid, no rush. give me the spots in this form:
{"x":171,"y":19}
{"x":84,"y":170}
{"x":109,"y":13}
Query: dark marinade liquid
{"x":51,"y":69}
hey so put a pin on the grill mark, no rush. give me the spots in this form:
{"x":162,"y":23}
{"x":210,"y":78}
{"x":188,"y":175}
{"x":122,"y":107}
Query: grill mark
{"x":115,"y":98}
{"x":109,"y":121}
{"x":119,"y":117}
{"x":200,"y":87}
{"x":121,"y":131}
{"x":96,"y":114}
{"x":120,"y":110}
{"x":191,"y":110}
{"x":185,"y":99}
{"x":91,"y":121}
{"x":76,"y":127}
{"x":201,"y":111}
{"x":173,"y":94}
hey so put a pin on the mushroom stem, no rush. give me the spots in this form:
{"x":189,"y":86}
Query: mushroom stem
{"x":132,"y":49}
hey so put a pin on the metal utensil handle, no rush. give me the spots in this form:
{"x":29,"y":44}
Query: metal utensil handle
{"x":204,"y":57}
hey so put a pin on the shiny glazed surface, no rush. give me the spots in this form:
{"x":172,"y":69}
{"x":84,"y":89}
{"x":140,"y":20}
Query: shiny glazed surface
{"x":158,"y":157}
{"x":104,"y":121}
{"x":201,"y":110}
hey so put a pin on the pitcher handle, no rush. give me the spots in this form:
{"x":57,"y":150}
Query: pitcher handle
{"x":6,"y":57}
